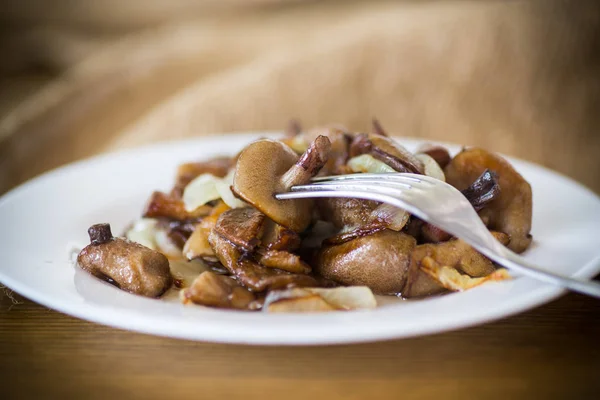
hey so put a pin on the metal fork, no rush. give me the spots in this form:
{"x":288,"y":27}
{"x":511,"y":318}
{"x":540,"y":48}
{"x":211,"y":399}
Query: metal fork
{"x":440,"y":204}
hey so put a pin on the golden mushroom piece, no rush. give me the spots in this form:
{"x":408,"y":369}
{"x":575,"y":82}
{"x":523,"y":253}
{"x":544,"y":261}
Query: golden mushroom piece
{"x":267,"y":167}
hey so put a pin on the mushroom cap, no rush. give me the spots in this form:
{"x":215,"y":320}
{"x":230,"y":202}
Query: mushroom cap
{"x":379,"y":261}
{"x":257,"y":179}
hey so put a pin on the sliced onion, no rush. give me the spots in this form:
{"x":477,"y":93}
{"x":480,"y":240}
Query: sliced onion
{"x":347,"y":298}
{"x":143,"y":232}
{"x":320,"y":299}
{"x":367,"y":163}
{"x":453,"y":280}
{"x":298,"y":143}
{"x":223,"y":187}
{"x":165,"y":245}
{"x":295,"y":300}
{"x":186,"y":271}
{"x":200,"y":191}
{"x":394,"y":218}
{"x":147,"y":232}
{"x":431,"y":167}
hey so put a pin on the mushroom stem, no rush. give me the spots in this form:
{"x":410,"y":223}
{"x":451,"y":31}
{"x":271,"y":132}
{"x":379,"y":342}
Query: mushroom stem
{"x":309,"y":164}
{"x":100,"y":233}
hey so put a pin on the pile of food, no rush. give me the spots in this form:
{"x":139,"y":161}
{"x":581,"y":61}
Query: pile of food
{"x":247,"y":250}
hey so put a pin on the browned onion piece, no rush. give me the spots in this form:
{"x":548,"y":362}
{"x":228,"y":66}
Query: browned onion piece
{"x":386,"y":150}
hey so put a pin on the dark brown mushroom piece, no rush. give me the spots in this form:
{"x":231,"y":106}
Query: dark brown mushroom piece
{"x":278,"y":237}
{"x":242,"y":227}
{"x":387,"y":151}
{"x":214,"y":290}
{"x":251,"y":274}
{"x":455,"y":254}
{"x":483,"y":191}
{"x":511,"y":211}
{"x":283,"y":260}
{"x":187,"y":172}
{"x":379,"y":261}
{"x":127,"y":265}
{"x":267,"y":167}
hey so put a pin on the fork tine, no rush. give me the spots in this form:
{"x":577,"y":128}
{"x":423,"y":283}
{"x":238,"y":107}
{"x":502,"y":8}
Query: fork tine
{"x":391,"y":193}
{"x":359,"y":176}
{"x":377,"y":182}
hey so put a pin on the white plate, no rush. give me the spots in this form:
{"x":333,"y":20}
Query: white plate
{"x":40,"y":218}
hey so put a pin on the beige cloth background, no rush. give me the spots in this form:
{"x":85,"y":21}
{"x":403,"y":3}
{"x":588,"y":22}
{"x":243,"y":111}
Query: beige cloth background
{"x":516,"y":77}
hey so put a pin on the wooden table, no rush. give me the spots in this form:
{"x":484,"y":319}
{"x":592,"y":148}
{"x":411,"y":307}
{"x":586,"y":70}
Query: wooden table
{"x":550,"y":352}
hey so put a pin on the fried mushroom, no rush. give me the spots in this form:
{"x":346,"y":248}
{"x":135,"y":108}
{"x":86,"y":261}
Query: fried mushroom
{"x":251,"y":274}
{"x":267,"y":167}
{"x":125,"y":264}
{"x":379,"y":261}
{"x":214,"y":290}
{"x":456,"y":254}
{"x":511,"y":211}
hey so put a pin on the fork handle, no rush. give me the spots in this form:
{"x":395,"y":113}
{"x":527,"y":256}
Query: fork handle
{"x":512,"y":261}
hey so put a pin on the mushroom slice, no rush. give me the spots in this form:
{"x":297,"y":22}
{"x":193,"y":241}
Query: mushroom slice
{"x":455,"y":254}
{"x":278,"y":237}
{"x":197,"y":244}
{"x":242,"y":227}
{"x":213,"y":290}
{"x":511,"y":211}
{"x":387,"y":150}
{"x":161,"y":205}
{"x":267,"y":167}
{"x":251,"y":274}
{"x":454,"y":281}
{"x":283,"y":260}
{"x":379,"y":261}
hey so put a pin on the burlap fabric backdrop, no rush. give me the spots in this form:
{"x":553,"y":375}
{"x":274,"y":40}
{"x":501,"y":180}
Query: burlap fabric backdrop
{"x":516,"y":77}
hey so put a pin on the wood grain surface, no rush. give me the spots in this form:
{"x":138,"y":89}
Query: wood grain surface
{"x":516,"y":77}
{"x":548,"y":353}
